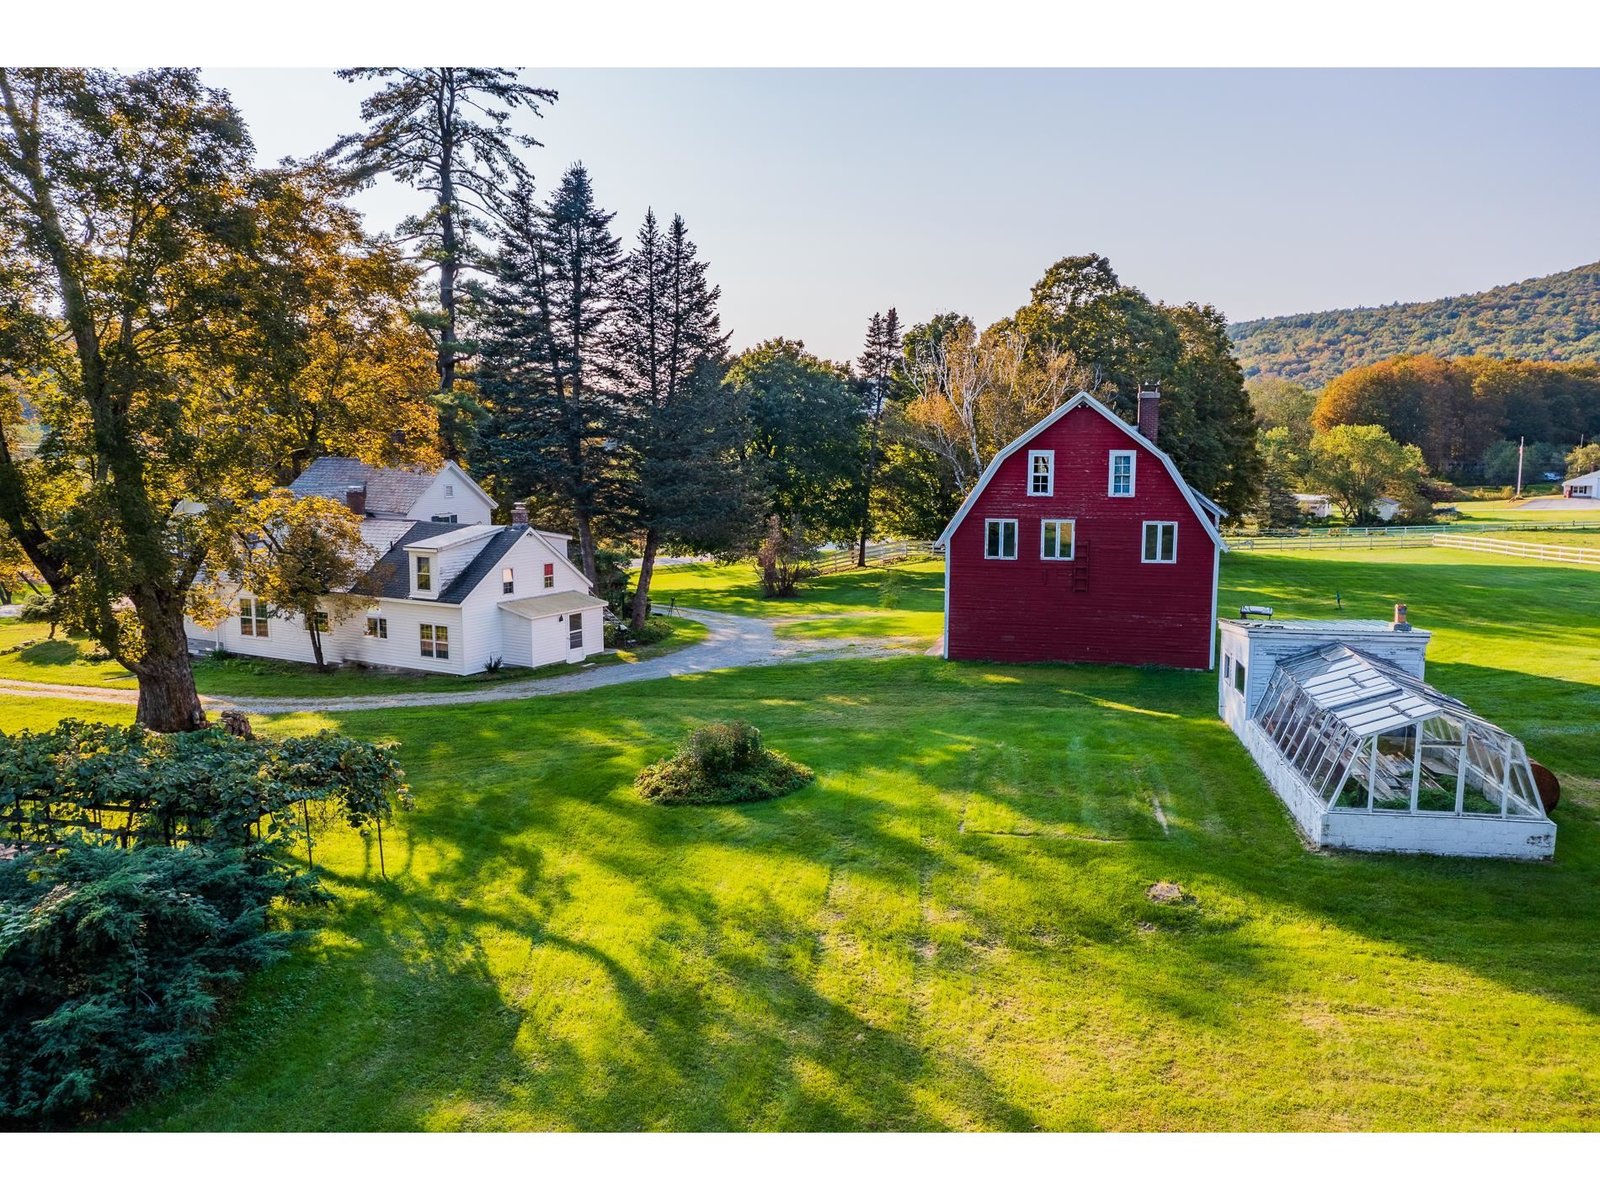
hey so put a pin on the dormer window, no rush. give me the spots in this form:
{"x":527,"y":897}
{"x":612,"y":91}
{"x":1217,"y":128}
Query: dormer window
{"x":424,"y":573}
{"x":1042,"y":473}
{"x":1121,"y":482}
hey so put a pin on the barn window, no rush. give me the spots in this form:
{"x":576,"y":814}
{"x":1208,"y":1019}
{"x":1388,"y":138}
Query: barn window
{"x":1000,"y":538}
{"x":1121,"y":483}
{"x":1041,"y":473}
{"x":435,"y":641}
{"x":1160,"y":542}
{"x":1055,"y":539}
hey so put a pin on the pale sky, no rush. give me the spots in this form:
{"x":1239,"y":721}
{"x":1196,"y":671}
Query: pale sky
{"x":821,"y":196}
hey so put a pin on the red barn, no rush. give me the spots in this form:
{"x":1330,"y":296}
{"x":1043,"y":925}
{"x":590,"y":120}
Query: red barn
{"x":1082,"y":543}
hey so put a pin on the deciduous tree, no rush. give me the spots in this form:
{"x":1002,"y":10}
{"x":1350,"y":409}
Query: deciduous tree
{"x":1356,"y":464}
{"x":127,"y":209}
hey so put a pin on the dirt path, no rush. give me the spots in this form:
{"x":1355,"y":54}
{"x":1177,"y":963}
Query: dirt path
{"x":731,"y":642}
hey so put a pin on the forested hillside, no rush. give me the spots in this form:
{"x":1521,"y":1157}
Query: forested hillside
{"x":1554,"y":317}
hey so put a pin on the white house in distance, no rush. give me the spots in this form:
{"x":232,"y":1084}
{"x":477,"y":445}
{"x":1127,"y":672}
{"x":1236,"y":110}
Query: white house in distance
{"x":1314,"y":505}
{"x":1582,"y":487}
{"x":449,"y":591}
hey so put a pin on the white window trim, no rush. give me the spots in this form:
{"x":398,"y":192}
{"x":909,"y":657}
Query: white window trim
{"x":1001,"y":521}
{"x":1111,"y":473}
{"x":1072,"y":524}
{"x":377,"y":627}
{"x":1050,"y":472}
{"x":416,"y":572}
{"x":1144,"y":538}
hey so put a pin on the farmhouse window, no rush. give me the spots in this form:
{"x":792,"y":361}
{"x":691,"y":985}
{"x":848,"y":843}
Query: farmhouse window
{"x":1121,"y":483}
{"x":378,"y":627}
{"x":1041,"y":473}
{"x":508,"y":581}
{"x":446,"y":518}
{"x":1160,"y":542}
{"x":1000,"y":538}
{"x":1238,"y":676}
{"x":575,"y":632}
{"x":1055,"y":540}
{"x":322,"y":622}
{"x":549,"y":575}
{"x":424,"y":573}
{"x":449,"y":490}
{"x":252,"y":618}
{"x":435,"y":641}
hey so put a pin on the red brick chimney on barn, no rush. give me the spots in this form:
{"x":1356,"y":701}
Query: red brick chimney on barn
{"x":1150,"y":410}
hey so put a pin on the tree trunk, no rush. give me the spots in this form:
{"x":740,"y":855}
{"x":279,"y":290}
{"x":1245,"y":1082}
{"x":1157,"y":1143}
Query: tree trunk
{"x":168,"y":702}
{"x":586,"y":548}
{"x":316,"y":642}
{"x":647,"y":568}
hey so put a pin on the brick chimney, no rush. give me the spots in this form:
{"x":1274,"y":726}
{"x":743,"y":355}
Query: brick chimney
{"x":519,"y":515}
{"x":355,"y":499}
{"x":1149,"y":410}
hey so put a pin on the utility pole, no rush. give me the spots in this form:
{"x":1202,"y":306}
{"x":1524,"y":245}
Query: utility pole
{"x":1521,"y":442}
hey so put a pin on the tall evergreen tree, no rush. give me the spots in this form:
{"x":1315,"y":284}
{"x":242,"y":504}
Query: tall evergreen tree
{"x":546,"y":321}
{"x":677,"y":426}
{"x":446,"y":131}
{"x":877,"y":371}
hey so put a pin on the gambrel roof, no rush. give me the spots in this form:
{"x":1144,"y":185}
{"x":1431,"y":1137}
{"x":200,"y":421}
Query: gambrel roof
{"x":1198,"y":503}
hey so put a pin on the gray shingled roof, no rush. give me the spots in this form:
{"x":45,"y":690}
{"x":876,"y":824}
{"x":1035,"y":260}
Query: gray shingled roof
{"x":390,"y":490}
{"x":390,"y":577}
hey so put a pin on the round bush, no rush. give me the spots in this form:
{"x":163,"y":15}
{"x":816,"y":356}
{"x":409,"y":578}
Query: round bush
{"x":721,"y":763}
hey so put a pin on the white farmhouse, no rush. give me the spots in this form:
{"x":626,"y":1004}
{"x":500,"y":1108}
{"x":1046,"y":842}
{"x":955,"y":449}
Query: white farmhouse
{"x":449,"y":591}
{"x":1582,"y":487}
{"x":1314,"y":505}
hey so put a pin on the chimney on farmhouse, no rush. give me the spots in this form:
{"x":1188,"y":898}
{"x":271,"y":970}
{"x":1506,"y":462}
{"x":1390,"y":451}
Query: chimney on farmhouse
{"x":355,"y":499}
{"x":1149,"y":410}
{"x":1400,"y":623}
{"x":519,"y":515}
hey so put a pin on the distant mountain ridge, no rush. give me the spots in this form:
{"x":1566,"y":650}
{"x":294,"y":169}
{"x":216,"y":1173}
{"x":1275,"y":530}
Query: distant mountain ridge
{"x":1552,"y":317}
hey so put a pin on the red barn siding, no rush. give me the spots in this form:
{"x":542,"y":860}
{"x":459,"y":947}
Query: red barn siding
{"x":1123,"y":610}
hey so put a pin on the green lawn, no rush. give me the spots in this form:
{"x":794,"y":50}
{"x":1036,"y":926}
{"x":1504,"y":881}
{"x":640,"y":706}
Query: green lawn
{"x":949,"y":929}
{"x":1490,"y":511}
{"x":903,"y":600}
{"x":67,"y":661}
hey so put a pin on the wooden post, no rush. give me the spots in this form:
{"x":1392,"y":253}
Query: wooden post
{"x":382,"y":869}
{"x":305,"y":815}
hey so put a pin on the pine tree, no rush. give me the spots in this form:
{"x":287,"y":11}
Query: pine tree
{"x":678,"y":426}
{"x":546,"y":321}
{"x":445,"y":131}
{"x":877,"y":374}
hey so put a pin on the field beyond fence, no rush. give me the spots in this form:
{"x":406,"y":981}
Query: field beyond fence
{"x":1391,"y":537}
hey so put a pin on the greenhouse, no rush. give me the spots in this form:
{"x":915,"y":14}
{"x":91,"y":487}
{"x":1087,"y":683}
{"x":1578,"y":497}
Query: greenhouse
{"x":1368,"y":757}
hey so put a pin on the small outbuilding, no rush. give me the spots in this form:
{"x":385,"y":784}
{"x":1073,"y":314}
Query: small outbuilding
{"x":1582,"y":487}
{"x":1364,"y":754}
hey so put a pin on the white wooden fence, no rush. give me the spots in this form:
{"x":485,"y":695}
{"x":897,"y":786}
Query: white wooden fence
{"x":878,"y":553}
{"x":1550,"y":551}
{"x":1393,"y":537}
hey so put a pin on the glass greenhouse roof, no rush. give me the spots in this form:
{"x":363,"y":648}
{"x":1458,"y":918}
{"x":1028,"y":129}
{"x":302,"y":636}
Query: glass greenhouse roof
{"x":1362,"y":734}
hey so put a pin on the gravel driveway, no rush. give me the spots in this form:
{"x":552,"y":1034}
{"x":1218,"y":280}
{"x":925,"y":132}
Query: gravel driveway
{"x":731,"y":642}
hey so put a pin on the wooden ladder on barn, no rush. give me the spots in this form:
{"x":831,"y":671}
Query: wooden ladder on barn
{"x":1080,"y":567}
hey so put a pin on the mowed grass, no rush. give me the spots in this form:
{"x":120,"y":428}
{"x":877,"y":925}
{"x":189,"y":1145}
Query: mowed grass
{"x":1495,"y":511}
{"x":901,"y":600}
{"x":949,"y":929}
{"x":70,"y":661}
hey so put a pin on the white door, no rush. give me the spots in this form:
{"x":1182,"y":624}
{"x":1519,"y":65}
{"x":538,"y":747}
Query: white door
{"x":574,"y":637}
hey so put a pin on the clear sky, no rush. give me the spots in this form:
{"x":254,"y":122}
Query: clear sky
{"x":821,"y":196}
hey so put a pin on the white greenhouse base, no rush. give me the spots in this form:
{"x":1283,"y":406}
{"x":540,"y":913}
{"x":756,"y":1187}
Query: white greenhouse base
{"x":1466,"y":836}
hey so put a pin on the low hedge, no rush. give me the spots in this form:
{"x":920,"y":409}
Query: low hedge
{"x":721,"y":763}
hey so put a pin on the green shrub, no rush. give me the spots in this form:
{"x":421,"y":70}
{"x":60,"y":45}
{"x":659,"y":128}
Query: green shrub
{"x":721,"y":763}
{"x":112,"y":965}
{"x":622,"y":635}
